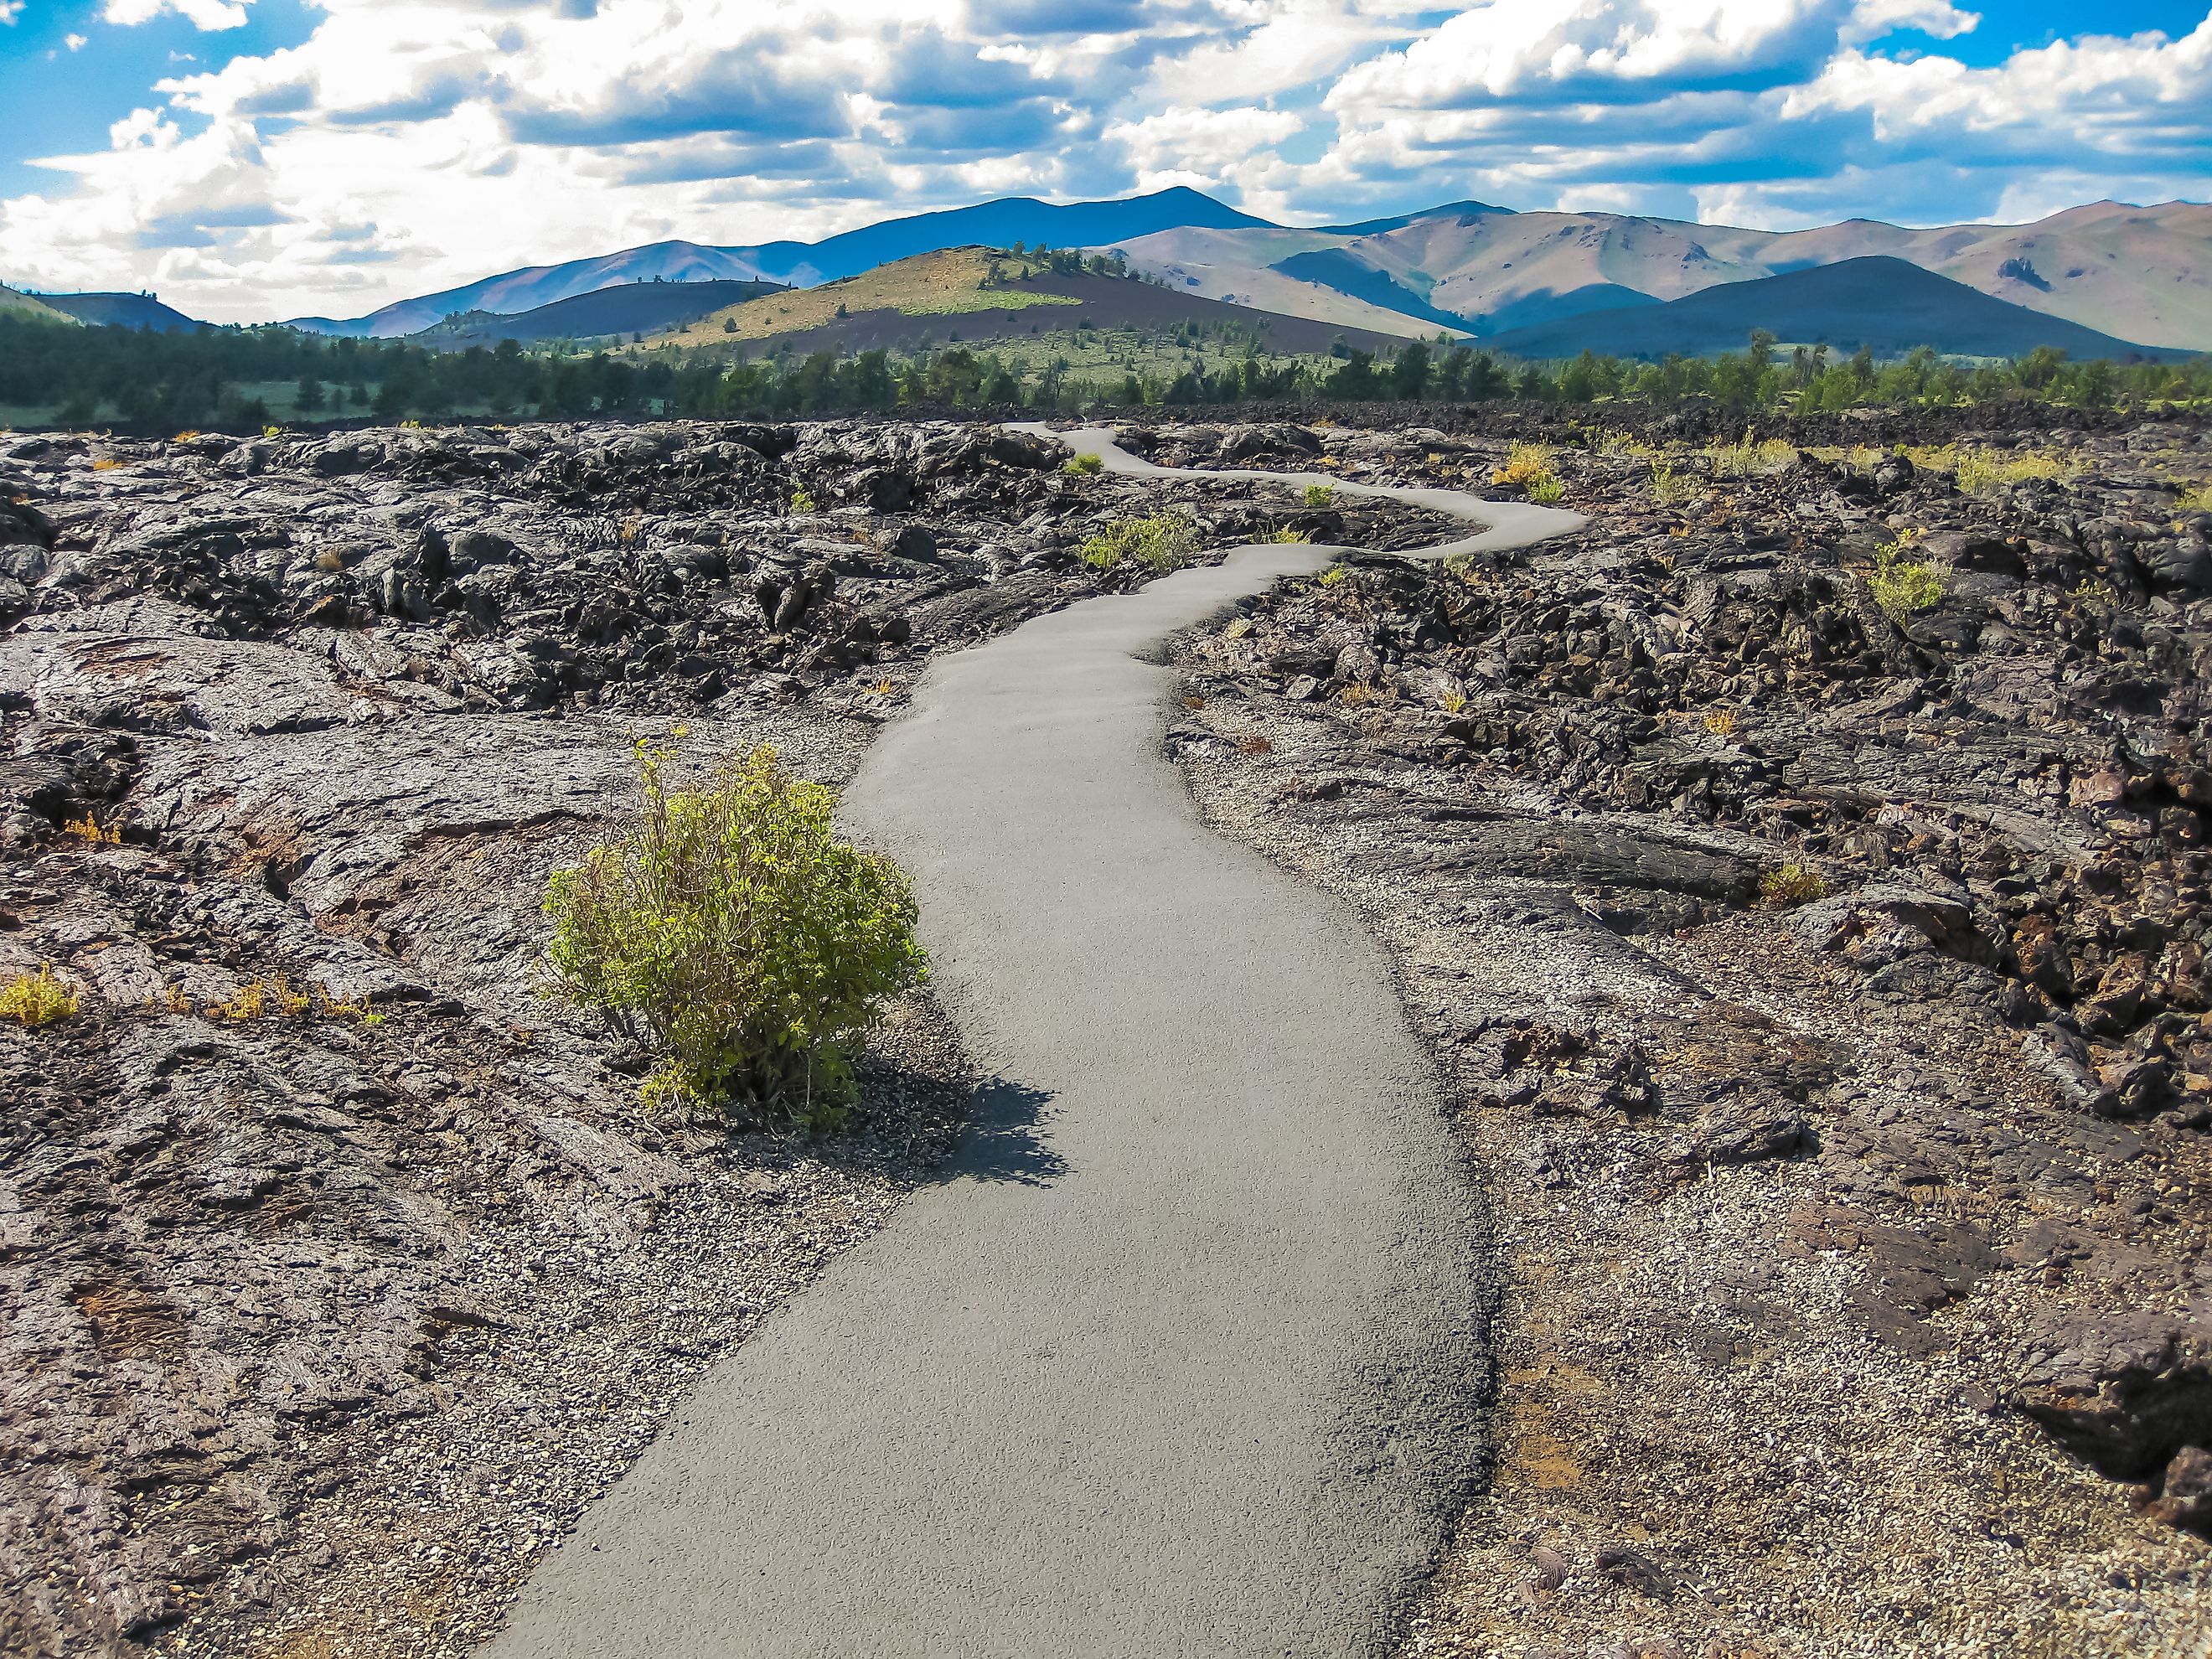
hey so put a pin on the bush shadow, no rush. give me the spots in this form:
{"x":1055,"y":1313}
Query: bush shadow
{"x":1003,"y":1138}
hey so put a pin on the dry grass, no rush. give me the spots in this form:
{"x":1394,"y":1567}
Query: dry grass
{"x":1978,"y":471}
{"x":1749,"y":458}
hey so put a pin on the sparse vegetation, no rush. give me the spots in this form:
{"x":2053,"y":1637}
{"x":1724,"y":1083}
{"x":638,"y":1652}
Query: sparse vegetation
{"x":1980,"y":471}
{"x":1792,"y":884}
{"x":39,"y":999}
{"x":1525,"y":463}
{"x":1161,"y":542}
{"x":262,"y":999}
{"x":729,"y":927}
{"x":1283,"y":533}
{"x":1903,"y":585}
{"x":1320,"y":494}
{"x":1669,"y":488}
{"x":1721,"y":722}
{"x":1529,"y":465}
{"x":1332,"y":576}
{"x":88,"y":829}
{"x":1749,"y":458}
{"x":1083,"y":466}
{"x":801,"y":502}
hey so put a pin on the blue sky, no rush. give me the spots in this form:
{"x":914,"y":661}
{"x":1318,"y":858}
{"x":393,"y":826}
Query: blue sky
{"x":257,"y":158}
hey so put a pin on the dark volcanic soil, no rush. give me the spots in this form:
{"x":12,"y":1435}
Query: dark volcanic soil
{"x":339,"y":1266}
{"x":1825,"y":991}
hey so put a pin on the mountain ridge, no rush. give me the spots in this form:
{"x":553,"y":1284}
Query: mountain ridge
{"x":999,"y":221}
{"x":1878,"y":301}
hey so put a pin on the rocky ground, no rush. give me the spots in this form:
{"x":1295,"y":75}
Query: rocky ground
{"x":1825,"y":988}
{"x":339,"y":1268}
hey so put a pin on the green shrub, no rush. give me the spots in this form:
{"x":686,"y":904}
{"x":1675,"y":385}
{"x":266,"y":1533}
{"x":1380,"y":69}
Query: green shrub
{"x":732,"y":928}
{"x":1902,"y":585}
{"x":1792,"y":884}
{"x":1082,"y":466}
{"x":1547,"y":489}
{"x":1283,"y":533}
{"x":1320,"y":494}
{"x":1162,"y":542}
{"x":39,"y":999}
{"x":802,"y":502}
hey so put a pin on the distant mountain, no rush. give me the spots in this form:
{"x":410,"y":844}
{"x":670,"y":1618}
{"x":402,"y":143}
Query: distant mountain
{"x":997,"y":223}
{"x":951,"y":295}
{"x":1886,"y":305}
{"x":632,"y":308}
{"x":123,"y":311}
{"x":2138,"y":273}
{"x":25,"y":308}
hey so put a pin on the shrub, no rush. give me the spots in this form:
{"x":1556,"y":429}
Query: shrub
{"x":733,"y":930}
{"x":1332,"y":576}
{"x":1524,"y":464}
{"x":1163,"y":541}
{"x":87,"y":827}
{"x":1669,"y":487}
{"x":1721,"y":722}
{"x":802,"y":502}
{"x":1283,"y":533}
{"x":1791,"y":884}
{"x":1902,"y":585}
{"x":1529,"y":465}
{"x":1082,"y":466}
{"x":39,"y":999}
{"x":1320,"y":494}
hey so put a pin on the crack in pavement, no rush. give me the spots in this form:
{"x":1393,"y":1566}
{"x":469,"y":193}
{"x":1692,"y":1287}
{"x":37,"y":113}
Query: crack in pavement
{"x":1187,"y":1353}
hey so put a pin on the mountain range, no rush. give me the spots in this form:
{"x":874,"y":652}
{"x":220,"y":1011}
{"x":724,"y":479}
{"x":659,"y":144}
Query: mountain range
{"x":1885,"y":304}
{"x":2108,"y":277}
{"x":805,"y":265}
{"x":2136,"y":273}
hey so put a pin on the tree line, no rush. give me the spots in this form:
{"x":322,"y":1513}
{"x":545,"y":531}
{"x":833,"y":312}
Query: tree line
{"x":158,"y":383}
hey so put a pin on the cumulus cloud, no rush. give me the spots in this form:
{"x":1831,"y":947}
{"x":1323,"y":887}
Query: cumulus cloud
{"x":408,"y":145}
{"x":209,"y":14}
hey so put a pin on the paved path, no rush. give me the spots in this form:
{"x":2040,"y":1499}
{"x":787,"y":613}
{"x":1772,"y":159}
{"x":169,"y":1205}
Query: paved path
{"x":1185,"y":1358}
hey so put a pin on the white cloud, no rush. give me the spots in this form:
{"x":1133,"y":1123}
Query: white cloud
{"x":202,"y":13}
{"x":409,"y":145}
{"x":74,"y":42}
{"x":10,"y":10}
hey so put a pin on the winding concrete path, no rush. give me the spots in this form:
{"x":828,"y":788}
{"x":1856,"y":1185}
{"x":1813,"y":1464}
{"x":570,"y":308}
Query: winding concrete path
{"x":1185,"y":1356}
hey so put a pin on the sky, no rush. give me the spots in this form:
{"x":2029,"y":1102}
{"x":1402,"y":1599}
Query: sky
{"x":250,"y":160}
